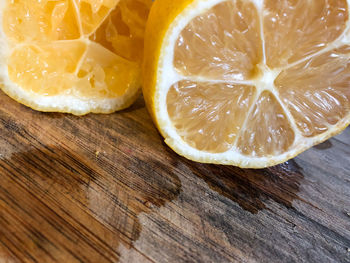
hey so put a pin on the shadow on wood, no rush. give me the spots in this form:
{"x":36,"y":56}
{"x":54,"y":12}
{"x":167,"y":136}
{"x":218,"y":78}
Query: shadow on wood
{"x":249,"y":188}
{"x":324,"y":146}
{"x":57,"y":205}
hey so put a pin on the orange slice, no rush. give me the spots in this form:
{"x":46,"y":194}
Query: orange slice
{"x":250,"y":83}
{"x":75,"y":56}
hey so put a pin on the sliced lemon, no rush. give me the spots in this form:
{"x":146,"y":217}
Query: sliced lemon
{"x":250,"y":83}
{"x":75,"y":56}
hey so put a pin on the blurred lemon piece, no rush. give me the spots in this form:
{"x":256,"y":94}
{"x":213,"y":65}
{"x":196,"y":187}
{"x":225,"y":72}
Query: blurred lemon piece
{"x":75,"y":56}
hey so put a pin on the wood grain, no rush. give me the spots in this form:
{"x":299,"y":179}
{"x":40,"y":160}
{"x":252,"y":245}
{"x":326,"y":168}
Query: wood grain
{"x":105,"y":188}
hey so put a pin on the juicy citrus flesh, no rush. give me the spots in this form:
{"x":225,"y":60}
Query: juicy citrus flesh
{"x":87,"y":49}
{"x":257,"y":80}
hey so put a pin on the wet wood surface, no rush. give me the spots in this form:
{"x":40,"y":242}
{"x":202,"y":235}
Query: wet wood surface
{"x":105,"y":188}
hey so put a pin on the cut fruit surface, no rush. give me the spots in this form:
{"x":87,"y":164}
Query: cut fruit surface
{"x":250,"y":83}
{"x":75,"y":56}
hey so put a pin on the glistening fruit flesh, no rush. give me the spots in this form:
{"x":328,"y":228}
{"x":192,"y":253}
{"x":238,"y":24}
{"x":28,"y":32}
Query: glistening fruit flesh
{"x":250,"y":83}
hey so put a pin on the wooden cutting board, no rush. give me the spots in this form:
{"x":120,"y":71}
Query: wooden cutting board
{"x":105,"y":188}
